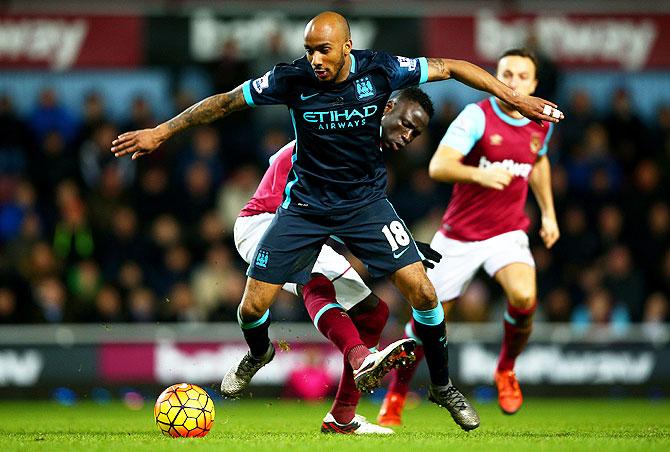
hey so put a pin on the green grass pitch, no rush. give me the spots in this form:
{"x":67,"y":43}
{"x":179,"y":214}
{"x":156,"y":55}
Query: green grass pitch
{"x":256,"y":425}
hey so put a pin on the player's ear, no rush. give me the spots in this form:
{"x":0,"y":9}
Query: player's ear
{"x":346,"y":48}
{"x":389,"y":106}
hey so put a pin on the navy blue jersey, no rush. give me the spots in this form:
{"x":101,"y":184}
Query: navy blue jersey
{"x":337,"y":161}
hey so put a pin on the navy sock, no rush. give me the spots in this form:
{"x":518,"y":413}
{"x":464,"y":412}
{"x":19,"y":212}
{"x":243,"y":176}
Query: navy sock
{"x":430,"y":328}
{"x":256,"y":334}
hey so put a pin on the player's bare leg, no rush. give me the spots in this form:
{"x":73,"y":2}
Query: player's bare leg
{"x":254,"y":319}
{"x":429,"y":322}
{"x":393,"y":405}
{"x":518,"y":282}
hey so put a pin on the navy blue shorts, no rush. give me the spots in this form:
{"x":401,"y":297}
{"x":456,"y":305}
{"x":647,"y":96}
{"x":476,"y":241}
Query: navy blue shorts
{"x":374,"y":234}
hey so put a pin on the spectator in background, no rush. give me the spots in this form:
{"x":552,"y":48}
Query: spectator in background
{"x":141,"y":114}
{"x":600,"y":317}
{"x":578,"y":117}
{"x":142,"y":306}
{"x":130,"y":277}
{"x":209,"y":280}
{"x":180,"y":304}
{"x":646,"y":189}
{"x":38,"y":263}
{"x":50,"y":298}
{"x":72,"y":235}
{"x":235,"y":193}
{"x":93,"y":116}
{"x":53,"y":163}
{"x":610,"y":227}
{"x":95,"y":160}
{"x":154,"y":195}
{"x":51,"y":116}
{"x":627,"y":132}
{"x":15,"y":139}
{"x":196,"y":193}
{"x":579,"y":246}
{"x":655,"y":317}
{"x":557,"y":306}
{"x":123,"y":242}
{"x":9,"y":311}
{"x":108,"y":307}
{"x":624,"y":281}
{"x":83,"y":281}
{"x":205,"y":148}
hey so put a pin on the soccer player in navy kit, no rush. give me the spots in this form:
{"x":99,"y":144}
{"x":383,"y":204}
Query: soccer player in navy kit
{"x":336,"y":97}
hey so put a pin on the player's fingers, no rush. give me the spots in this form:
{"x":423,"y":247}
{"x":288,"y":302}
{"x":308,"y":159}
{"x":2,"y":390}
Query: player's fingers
{"x":547,"y":102}
{"x":123,"y":148}
{"x":126,"y":135}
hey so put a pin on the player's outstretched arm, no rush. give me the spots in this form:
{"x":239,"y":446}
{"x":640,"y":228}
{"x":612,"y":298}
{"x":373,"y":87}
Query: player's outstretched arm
{"x":540,"y":183}
{"x":472,"y":75}
{"x":145,"y":141}
{"x":447,"y":166}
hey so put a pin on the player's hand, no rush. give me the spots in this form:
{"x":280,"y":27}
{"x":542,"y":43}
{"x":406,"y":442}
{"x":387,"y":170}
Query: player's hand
{"x":495,"y":178}
{"x":549,"y":231}
{"x":138,"y":143}
{"x":429,"y":256}
{"x":537,"y":109}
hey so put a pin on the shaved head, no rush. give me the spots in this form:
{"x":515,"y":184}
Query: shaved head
{"x":328,"y":44}
{"x":329,"y":24}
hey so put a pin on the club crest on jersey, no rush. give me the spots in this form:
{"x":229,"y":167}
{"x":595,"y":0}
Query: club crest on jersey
{"x":364,"y":88}
{"x":496,"y":139}
{"x":262,"y":258}
{"x":535,"y":143}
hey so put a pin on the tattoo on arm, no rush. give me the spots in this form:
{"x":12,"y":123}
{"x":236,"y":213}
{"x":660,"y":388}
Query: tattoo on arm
{"x":208,"y":110}
{"x":437,"y":69}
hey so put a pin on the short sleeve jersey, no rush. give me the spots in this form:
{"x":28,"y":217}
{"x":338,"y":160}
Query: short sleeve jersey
{"x":337,"y":162}
{"x":487,"y":136}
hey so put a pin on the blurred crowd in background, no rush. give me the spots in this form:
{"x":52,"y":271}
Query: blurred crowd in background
{"x":86,"y":237}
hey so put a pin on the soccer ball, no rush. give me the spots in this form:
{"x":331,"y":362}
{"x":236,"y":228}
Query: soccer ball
{"x":184,"y":410}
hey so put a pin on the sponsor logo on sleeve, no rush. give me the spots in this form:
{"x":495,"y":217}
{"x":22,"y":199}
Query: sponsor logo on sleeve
{"x":262,"y":82}
{"x":407,"y":63}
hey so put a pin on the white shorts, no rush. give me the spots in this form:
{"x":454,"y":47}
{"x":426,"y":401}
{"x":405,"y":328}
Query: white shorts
{"x":461,"y":260}
{"x":349,"y":287}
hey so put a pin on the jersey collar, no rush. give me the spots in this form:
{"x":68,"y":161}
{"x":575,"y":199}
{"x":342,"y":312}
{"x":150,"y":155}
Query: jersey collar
{"x":517,"y":122}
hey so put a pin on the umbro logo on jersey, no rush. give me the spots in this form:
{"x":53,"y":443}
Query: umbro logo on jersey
{"x":364,"y":88}
{"x":303,"y":97}
{"x":397,"y":255}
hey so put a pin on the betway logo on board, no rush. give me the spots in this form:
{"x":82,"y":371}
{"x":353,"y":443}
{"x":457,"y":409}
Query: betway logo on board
{"x":614,"y":40}
{"x":20,"y":368}
{"x":52,"y":41}
{"x":553,"y":365}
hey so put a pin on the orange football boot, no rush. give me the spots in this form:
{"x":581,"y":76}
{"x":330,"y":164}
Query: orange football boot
{"x":391,"y":410}
{"x":509,"y":392}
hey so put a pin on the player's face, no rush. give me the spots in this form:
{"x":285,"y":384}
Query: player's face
{"x":327,"y":53}
{"x":518,"y":73}
{"x":402,"y":123}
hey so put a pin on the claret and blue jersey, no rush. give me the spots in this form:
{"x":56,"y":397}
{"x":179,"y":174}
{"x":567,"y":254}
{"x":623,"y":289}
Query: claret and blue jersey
{"x":337,"y":162}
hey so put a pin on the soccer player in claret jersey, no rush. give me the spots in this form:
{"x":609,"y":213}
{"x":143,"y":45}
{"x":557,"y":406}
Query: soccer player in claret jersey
{"x":492,"y":153}
{"x":336,"y":186}
{"x":343,"y":308}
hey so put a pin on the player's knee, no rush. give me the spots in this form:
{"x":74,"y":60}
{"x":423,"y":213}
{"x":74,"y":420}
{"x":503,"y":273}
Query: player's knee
{"x":250,"y":312}
{"x":522,"y":298}
{"x":424,"y":296}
